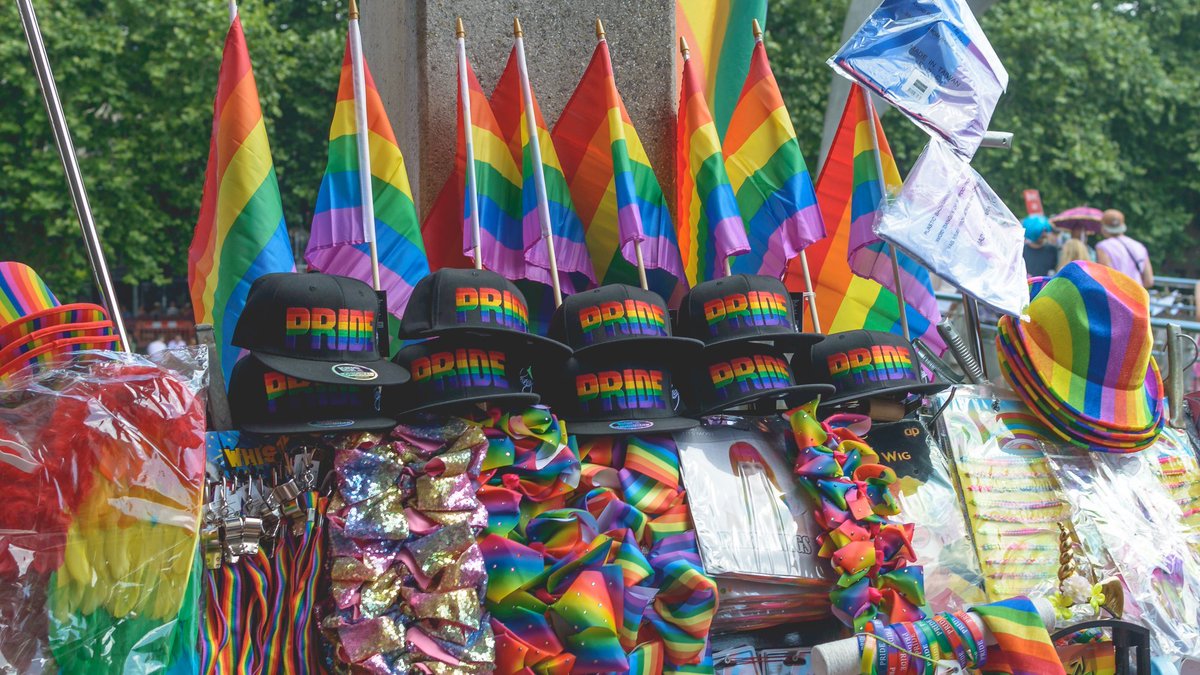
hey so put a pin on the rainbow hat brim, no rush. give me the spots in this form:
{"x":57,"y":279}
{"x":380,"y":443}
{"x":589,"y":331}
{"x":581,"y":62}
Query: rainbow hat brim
{"x":53,"y":353}
{"x":61,"y":315}
{"x":22,"y":292}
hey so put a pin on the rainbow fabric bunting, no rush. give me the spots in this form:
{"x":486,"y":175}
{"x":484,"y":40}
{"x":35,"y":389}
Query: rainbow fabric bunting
{"x":337,"y":245}
{"x":708,"y":224}
{"x":447,"y":229}
{"x":868,"y":254}
{"x":718,"y":32}
{"x":240,"y":234}
{"x":612,"y":184}
{"x":570,"y":248}
{"x":769,"y":176}
{"x":846,"y":301}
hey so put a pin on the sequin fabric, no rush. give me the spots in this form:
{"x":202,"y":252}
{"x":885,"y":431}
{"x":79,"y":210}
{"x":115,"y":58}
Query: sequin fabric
{"x":407,"y":579}
{"x":591,"y":560}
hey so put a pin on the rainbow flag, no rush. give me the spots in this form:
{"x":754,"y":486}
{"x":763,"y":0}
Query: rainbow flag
{"x":447,"y":228}
{"x":718,"y":31}
{"x":769,"y":176}
{"x":337,"y":245}
{"x":570,"y":248}
{"x":612,"y":184}
{"x":708,"y":224}
{"x":1023,"y":645}
{"x":846,"y":301}
{"x":240,"y":234}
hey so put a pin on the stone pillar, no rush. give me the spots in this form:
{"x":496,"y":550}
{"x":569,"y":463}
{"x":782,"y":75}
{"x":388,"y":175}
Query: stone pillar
{"x":411,"y":50}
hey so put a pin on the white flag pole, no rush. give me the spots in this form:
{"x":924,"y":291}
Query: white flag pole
{"x":535,"y":149}
{"x":232,"y":10}
{"x":872,"y":118}
{"x":363,"y":141}
{"x":464,"y":93}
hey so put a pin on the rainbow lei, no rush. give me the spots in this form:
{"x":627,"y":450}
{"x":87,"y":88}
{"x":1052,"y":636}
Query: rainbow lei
{"x":851,"y":492}
{"x":592,"y":565}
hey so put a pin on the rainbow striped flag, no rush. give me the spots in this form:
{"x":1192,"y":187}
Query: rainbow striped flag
{"x":337,"y":245}
{"x":575,"y":271}
{"x":612,"y":184}
{"x":1023,"y":645}
{"x":708,"y":224}
{"x":846,"y":301}
{"x":240,"y":234}
{"x":719,"y":34}
{"x":447,"y":228}
{"x":769,"y":176}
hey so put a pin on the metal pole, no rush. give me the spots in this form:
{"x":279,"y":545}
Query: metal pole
{"x":971,"y":307}
{"x":464,"y":92}
{"x":535,"y":149}
{"x":872,"y":120}
{"x":363,"y":142}
{"x":66,"y":153}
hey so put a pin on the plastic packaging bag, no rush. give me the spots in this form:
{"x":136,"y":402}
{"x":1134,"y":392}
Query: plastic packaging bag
{"x":102,"y":463}
{"x":930,"y":59}
{"x":950,"y":219}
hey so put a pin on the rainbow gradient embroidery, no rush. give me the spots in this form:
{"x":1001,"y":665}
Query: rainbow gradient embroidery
{"x":347,"y":330}
{"x":880,"y":363}
{"x":615,"y":390}
{"x":461,"y":369}
{"x":631,"y":317}
{"x":293,"y":394}
{"x":747,"y":374}
{"x":756,"y":308}
{"x":491,"y":305}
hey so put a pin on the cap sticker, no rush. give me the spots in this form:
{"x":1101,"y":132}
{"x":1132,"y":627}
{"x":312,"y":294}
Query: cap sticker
{"x":745,"y":374}
{"x":754,"y":309}
{"x":331,"y":424}
{"x":353,"y":371}
{"x":317,"y":329}
{"x":491,"y":306}
{"x":630,"y":425}
{"x":631,"y":317}
{"x":628,"y":389}
{"x":880,"y":363}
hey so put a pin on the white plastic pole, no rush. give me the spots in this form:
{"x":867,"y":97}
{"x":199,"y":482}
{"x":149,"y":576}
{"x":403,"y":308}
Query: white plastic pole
{"x":363,"y":141}
{"x":464,"y":92}
{"x":535,"y":148}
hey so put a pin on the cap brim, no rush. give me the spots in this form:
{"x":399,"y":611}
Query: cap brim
{"x":923,"y":389}
{"x":785,"y":340}
{"x":668,"y":345}
{"x":386,"y":373}
{"x":807,"y":392}
{"x":661,"y":425}
{"x":319,"y":426}
{"x":536,"y":343}
{"x":513,"y":400}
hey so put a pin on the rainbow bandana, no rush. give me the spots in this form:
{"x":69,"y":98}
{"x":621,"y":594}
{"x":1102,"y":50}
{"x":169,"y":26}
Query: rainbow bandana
{"x":1084,"y":362}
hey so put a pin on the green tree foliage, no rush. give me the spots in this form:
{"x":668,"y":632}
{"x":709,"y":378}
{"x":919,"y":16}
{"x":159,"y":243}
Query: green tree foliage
{"x":137,"y":81}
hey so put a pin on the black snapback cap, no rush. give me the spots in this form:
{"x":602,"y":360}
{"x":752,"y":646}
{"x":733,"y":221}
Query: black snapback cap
{"x":609,"y":394}
{"x":317,"y":327}
{"x":741,"y":373}
{"x":461,"y":369}
{"x":863,"y":364}
{"x":740,"y":308}
{"x":266,"y":401}
{"x":479,"y":301}
{"x":617,"y":315}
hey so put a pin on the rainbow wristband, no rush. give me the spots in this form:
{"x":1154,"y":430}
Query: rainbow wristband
{"x":956,"y":643}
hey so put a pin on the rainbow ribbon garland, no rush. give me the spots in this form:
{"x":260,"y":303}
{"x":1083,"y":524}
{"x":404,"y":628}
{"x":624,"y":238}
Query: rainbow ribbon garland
{"x":851,"y":492}
{"x":592,"y":565}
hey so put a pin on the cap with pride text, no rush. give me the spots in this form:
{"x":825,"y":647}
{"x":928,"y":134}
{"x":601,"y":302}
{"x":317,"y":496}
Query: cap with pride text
{"x":465,"y":368}
{"x":602,"y":396}
{"x":741,"y":307}
{"x":863,"y":364}
{"x":615,"y":315}
{"x":741,"y":373}
{"x":452,"y":300}
{"x":317,"y":327}
{"x":264,"y":400}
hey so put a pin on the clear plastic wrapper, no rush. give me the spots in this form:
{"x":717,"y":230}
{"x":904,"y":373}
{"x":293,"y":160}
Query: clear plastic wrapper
{"x":931,"y":60}
{"x":1012,"y":500}
{"x":1173,"y":459}
{"x":928,"y":500}
{"x":951,"y":220}
{"x":1125,"y":517}
{"x":102,"y":463}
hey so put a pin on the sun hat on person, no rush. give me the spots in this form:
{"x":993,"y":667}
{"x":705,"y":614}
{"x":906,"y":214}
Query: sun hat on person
{"x":1113,"y":222}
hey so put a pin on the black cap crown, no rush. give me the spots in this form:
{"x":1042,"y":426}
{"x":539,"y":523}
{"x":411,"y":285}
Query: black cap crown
{"x":462,"y":369}
{"x":738,"y":374}
{"x":864,"y":363}
{"x":615,"y":314}
{"x":603,"y":396}
{"x":741,"y":307}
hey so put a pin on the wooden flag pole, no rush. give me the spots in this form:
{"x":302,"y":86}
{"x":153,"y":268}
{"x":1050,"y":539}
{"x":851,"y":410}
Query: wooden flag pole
{"x":70,"y":163}
{"x":464,"y":93}
{"x":637,"y":243}
{"x":363,"y":142}
{"x":872,"y":118}
{"x":535,"y":149}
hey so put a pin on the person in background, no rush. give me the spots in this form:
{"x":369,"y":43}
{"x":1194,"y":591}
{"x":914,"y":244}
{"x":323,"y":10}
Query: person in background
{"x":172,"y":310}
{"x":1040,"y":252}
{"x":1074,"y":249}
{"x":176,"y":342}
{"x":1123,"y":254}
{"x":156,"y":346}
